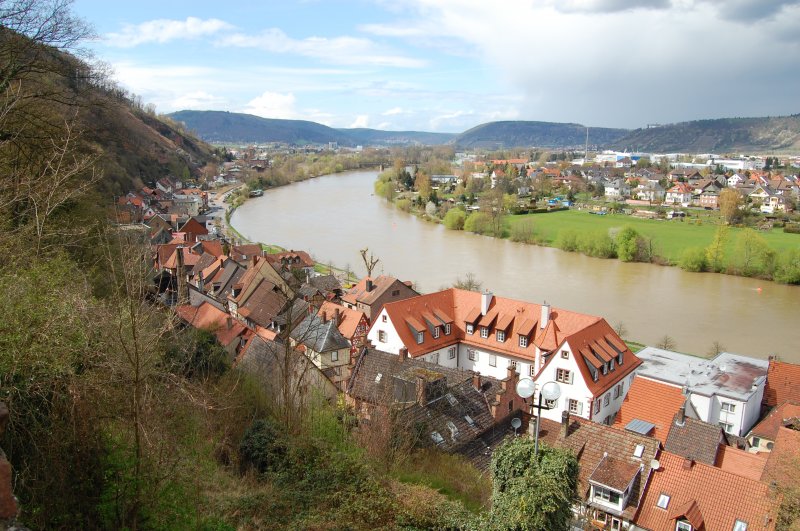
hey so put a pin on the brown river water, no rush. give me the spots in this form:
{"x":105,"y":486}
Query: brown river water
{"x":334,"y":216}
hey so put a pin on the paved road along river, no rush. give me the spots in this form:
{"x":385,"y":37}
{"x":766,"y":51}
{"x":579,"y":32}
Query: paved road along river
{"x":334,"y":216}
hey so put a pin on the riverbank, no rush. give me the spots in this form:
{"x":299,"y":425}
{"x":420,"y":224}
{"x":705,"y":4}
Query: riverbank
{"x":695,"y":244}
{"x":229,"y":231}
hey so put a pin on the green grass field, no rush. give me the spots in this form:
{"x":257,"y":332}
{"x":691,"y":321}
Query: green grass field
{"x":670,"y":237}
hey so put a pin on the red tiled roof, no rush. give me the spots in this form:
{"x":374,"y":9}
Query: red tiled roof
{"x":701,"y":490}
{"x":349,"y":319}
{"x":579,"y":330}
{"x":783,"y":383}
{"x":783,"y":461}
{"x":748,"y":464}
{"x":651,"y":401}
{"x":207,"y":317}
{"x":768,"y":427}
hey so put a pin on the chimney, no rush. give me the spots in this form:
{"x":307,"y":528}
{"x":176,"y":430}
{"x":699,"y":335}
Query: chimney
{"x":229,"y":322}
{"x":545,"y":315}
{"x":337,"y":316}
{"x":681,"y":420}
{"x":369,"y":285}
{"x":403,"y":354}
{"x":422,"y":398}
{"x":476,"y":381}
{"x":486,"y":300}
{"x":564,"y":425}
{"x":200,"y":281}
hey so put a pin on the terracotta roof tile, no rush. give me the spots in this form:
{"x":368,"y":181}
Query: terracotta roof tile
{"x":783,"y":461}
{"x":740,"y":462}
{"x":348,"y":319}
{"x":783,"y":383}
{"x":651,"y":401}
{"x":207,"y":317}
{"x":768,"y":427}
{"x":701,"y":490}
{"x":614,"y":473}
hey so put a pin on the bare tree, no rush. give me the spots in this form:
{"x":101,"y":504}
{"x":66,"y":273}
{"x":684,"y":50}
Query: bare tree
{"x":666,"y":343}
{"x":370,"y":261}
{"x":469,"y":283}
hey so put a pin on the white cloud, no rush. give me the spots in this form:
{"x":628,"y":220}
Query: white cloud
{"x":197,"y":100}
{"x":362,"y":120}
{"x":394,"y":111}
{"x":165,"y":30}
{"x":337,"y":50}
{"x":272,"y":105}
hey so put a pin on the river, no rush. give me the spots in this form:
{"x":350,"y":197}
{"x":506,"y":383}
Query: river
{"x":334,"y":216}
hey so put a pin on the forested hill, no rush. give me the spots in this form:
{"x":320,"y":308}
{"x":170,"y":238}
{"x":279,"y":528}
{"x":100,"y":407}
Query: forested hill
{"x":718,"y":136}
{"x":496,"y":135}
{"x":57,"y":99}
{"x":223,"y":126}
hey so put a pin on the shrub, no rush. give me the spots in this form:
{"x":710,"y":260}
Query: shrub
{"x":523,"y":232}
{"x":454,"y":219}
{"x":694,"y":260}
{"x":478,"y":222}
{"x":567,"y":240}
{"x":263,"y":447}
{"x":787,"y":269}
{"x":404,"y":205}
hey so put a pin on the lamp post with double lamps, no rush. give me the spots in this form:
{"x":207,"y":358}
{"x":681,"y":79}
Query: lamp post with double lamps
{"x":550,"y":392}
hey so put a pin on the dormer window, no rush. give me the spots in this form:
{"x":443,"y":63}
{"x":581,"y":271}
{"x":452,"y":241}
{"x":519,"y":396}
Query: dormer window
{"x":447,"y":329}
{"x":470,"y":328}
{"x":606,"y":496}
{"x":523,"y":341}
{"x":605,"y":368}
{"x":501,"y":336}
{"x":663,"y":501}
{"x":435,"y":332}
{"x":420,"y":337}
{"x":484,"y":332}
{"x":683,"y":525}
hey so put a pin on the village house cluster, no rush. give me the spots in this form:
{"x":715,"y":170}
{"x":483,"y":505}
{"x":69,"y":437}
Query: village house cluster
{"x":664,"y":180}
{"x":664,"y":440}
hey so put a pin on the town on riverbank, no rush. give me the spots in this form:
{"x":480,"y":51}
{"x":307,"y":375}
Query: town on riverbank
{"x":659,"y":436}
{"x":702,"y":212}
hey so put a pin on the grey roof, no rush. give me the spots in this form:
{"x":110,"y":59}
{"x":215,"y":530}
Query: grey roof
{"x":326,"y":282}
{"x":231,"y":273}
{"x":319,"y":335}
{"x":730,"y":375}
{"x":640,"y":426}
{"x":457,"y":412}
{"x":694,"y":439}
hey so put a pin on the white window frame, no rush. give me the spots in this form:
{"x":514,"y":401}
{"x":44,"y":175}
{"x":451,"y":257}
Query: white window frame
{"x":563,"y":375}
{"x":383,"y":318}
{"x":512,"y":364}
{"x":565,"y":354}
{"x":335,"y":355}
{"x":574,"y":406}
{"x":597,"y":404}
{"x":523,"y":341}
{"x":501,"y":336}
{"x":663,"y":501}
{"x":447,"y":329}
{"x":451,"y":352}
{"x":739,"y":525}
{"x":683,"y":526}
{"x":435,"y":332}
{"x":381,"y":336}
{"x":420,"y":337}
{"x":484,"y":332}
{"x":606,"y":399}
{"x":728,"y":407}
{"x":492,"y":360}
{"x":470,"y":328}
{"x":473,"y":354}
{"x":727,"y":427}
{"x":532,"y":370}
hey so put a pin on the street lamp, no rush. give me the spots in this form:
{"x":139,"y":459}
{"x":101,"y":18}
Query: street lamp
{"x":550,"y":392}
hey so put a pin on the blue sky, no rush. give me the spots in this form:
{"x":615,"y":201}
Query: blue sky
{"x":448,"y":65}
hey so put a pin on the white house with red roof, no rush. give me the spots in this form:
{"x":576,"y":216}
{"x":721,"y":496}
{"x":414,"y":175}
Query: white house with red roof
{"x":487,"y":334}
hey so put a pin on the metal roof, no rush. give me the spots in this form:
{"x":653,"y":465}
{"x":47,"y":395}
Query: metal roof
{"x":640,"y":426}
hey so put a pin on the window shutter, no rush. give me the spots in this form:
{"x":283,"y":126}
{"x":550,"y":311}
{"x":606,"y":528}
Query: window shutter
{"x":580,"y":408}
{"x":571,"y":376}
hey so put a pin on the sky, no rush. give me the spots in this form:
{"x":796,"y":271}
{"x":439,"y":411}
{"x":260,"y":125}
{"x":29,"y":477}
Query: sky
{"x":448,"y":65}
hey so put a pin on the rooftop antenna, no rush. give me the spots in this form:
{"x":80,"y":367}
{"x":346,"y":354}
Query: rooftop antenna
{"x":586,"y":149}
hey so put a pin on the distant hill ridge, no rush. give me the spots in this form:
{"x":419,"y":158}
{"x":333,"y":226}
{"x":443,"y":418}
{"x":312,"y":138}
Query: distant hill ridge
{"x":223,"y":126}
{"x":700,"y":136}
{"x":718,"y":135}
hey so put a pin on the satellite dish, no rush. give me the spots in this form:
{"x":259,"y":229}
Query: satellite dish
{"x":654,"y":464}
{"x":516,"y":423}
{"x":551,"y":391}
{"x":525,"y":388}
